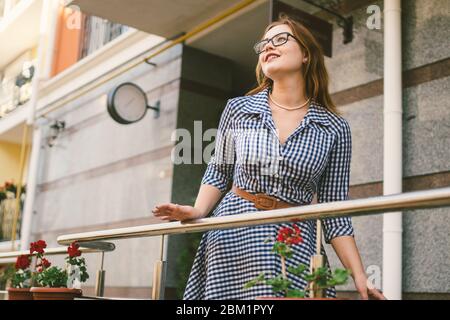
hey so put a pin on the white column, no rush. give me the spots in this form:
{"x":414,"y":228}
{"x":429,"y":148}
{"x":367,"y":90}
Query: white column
{"x":27,"y":215}
{"x":47,"y":20}
{"x":40,"y":67}
{"x":392,"y":170}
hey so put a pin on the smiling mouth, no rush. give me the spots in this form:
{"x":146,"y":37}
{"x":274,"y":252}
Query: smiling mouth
{"x":271,"y":57}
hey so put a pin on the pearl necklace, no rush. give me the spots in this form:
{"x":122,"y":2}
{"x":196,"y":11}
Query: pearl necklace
{"x":287,"y":108}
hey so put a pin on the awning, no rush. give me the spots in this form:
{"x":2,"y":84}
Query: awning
{"x":231,"y":38}
{"x":164,"y":18}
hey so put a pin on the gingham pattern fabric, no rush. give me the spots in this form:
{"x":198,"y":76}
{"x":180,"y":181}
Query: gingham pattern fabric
{"x":314,"y":159}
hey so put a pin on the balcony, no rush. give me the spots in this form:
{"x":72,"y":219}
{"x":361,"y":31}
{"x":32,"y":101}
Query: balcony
{"x":167,"y":19}
{"x":163,"y":18}
{"x":23,"y":21}
{"x":16,"y":91}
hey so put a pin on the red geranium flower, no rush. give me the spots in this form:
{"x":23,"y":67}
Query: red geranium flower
{"x":289,"y":235}
{"x":73,"y":250}
{"x":38,"y":246}
{"x":23,"y":262}
{"x":45,"y":263}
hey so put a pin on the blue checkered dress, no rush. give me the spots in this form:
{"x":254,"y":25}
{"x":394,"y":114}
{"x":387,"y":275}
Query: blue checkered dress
{"x":314,"y":159}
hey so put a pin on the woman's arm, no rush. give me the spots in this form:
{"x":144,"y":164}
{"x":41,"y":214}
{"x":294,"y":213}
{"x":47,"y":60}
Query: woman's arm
{"x":206,"y":199}
{"x":347,"y":251}
{"x":334,"y":186}
{"x":216,"y":178}
{"x":334,"y":183}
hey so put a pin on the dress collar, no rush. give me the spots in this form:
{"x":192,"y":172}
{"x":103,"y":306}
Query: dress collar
{"x":259,"y":103}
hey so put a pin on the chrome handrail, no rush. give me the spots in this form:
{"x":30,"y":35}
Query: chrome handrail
{"x":424,"y":199}
{"x":360,"y":207}
{"x":49,"y":252}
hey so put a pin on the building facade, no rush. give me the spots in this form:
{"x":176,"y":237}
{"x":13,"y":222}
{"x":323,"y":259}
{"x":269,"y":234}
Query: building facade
{"x":98,"y":174}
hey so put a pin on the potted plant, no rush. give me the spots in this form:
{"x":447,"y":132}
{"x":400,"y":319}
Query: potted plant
{"x":75,"y":266}
{"x":21,"y":280}
{"x":54,"y":283}
{"x":9,"y":189}
{"x":318,"y":278}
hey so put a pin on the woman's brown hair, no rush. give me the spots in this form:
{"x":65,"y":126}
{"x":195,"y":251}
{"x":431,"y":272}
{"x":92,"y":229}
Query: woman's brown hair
{"x":314,"y":71}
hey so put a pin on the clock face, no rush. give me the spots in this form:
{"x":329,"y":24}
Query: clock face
{"x":127,"y":103}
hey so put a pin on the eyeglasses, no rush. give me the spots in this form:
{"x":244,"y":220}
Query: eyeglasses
{"x":277,"y":40}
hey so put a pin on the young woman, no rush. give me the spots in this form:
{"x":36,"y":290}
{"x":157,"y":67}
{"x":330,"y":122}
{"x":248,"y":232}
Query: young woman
{"x":288,"y":142}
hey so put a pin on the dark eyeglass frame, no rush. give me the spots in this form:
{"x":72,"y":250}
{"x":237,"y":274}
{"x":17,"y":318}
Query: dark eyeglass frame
{"x":266,"y":41}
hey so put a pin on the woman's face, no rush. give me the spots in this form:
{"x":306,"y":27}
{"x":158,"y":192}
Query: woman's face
{"x":290,"y":56}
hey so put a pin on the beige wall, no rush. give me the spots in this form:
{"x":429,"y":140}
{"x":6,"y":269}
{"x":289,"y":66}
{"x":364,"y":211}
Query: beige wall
{"x":104,"y":175}
{"x":9,"y":162}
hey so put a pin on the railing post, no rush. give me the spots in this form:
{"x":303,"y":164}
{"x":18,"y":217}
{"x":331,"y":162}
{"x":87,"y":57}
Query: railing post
{"x":159,"y":275}
{"x":100,"y":279}
{"x":317,"y":261}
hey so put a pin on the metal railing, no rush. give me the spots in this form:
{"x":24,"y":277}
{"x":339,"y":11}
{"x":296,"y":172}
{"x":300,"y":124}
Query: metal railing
{"x":14,"y":93}
{"x":97,"y":32}
{"x":91,"y":247}
{"x":361,"y":207}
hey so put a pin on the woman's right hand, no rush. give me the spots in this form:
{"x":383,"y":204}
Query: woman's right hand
{"x":174,"y":212}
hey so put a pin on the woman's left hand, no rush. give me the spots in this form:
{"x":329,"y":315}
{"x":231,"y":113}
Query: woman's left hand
{"x":366,"y":289}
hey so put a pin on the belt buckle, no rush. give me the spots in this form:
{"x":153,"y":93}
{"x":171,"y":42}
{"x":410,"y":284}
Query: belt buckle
{"x":265,"y":202}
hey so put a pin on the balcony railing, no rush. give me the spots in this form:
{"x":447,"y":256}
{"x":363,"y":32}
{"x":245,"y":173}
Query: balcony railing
{"x":97,"y":32}
{"x":8,"y":204}
{"x":16,"y":91}
{"x":7,"y":213}
{"x":360,"y":207}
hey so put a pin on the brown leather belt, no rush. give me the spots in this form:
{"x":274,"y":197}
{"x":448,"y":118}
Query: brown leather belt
{"x":261,"y":200}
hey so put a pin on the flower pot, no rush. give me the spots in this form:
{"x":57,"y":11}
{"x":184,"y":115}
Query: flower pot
{"x":19,"y":294}
{"x":55,"y":293}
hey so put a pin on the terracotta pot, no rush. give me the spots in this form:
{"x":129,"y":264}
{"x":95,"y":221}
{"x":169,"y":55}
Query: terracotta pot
{"x":19,"y":294}
{"x":55,"y":293}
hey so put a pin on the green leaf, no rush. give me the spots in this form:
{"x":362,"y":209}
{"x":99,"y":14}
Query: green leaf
{"x":301,"y":268}
{"x":21,"y":279}
{"x":258,"y":280}
{"x":268,"y":239}
{"x":295,"y":293}
{"x":309,"y":277}
{"x":278,"y":283}
{"x":282,"y":249}
{"x":340,"y":276}
{"x":53,"y":277}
